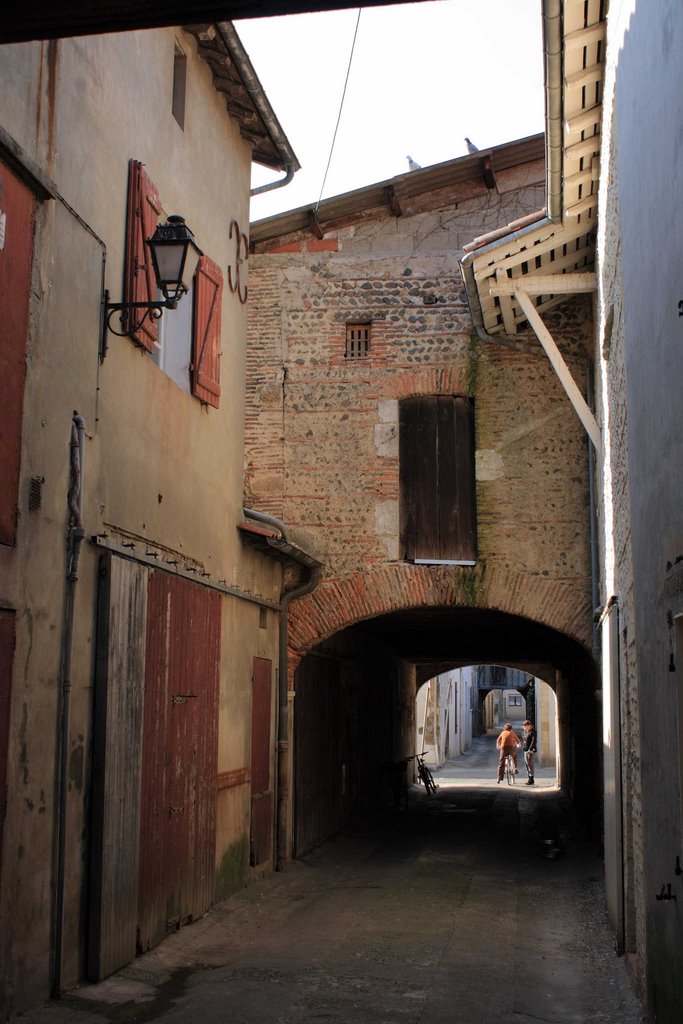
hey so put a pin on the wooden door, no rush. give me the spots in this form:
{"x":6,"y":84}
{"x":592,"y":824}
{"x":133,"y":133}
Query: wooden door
{"x":180,"y":742}
{"x":261,"y":832}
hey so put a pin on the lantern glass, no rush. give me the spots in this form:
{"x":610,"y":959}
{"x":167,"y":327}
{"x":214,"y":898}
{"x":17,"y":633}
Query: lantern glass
{"x":174,"y":257}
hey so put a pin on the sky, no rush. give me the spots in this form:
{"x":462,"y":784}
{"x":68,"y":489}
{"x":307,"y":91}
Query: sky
{"x":423,"y":76}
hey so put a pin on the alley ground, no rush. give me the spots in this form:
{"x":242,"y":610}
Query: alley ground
{"x":481,"y":905}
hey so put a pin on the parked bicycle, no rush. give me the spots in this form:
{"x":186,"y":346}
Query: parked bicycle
{"x":424,"y":774}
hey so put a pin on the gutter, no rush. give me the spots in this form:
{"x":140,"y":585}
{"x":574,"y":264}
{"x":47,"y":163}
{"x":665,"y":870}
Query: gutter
{"x":552,"y":60}
{"x":253,"y":86}
{"x":279,"y":542}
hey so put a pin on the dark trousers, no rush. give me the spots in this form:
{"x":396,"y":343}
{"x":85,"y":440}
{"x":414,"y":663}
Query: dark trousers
{"x":501,"y":761}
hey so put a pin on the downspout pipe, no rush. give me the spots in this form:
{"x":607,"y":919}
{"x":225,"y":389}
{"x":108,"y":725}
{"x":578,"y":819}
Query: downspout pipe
{"x":75,"y":539}
{"x":590,"y":388}
{"x":314,"y":569}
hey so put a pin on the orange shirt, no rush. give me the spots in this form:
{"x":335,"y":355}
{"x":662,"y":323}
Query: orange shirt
{"x":507,"y":740}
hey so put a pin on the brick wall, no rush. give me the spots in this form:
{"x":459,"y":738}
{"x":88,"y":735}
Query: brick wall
{"x":322,"y":438}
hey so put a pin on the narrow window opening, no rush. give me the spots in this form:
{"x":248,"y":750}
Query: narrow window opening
{"x":357,"y":341}
{"x":179,"y":79}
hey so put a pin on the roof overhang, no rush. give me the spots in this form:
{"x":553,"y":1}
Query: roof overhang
{"x":397,"y":194}
{"x":559,"y":241}
{"x":235,"y":79}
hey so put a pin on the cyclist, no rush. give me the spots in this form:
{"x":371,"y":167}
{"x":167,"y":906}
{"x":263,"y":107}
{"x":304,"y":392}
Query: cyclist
{"x":507,"y":743}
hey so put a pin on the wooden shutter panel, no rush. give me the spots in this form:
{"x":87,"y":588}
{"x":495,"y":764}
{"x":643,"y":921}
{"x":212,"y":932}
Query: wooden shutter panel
{"x":144,"y":209}
{"x":437,"y":479}
{"x":206,"y":357}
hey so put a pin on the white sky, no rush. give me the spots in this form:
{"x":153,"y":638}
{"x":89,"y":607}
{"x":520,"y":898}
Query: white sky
{"x":424,"y":75}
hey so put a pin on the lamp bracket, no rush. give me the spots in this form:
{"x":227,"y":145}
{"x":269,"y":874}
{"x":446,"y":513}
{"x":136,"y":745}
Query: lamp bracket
{"x":153,"y":310}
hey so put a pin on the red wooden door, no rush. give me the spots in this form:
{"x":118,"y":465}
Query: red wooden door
{"x":17,"y":210}
{"x":179,"y":751}
{"x":261,"y":843}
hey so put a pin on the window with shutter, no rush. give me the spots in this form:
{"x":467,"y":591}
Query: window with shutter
{"x":144,"y":210}
{"x":206,"y":358}
{"x":437,"y":479}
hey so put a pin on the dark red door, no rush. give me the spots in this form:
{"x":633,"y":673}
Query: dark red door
{"x":17,"y":210}
{"x":179,"y":751}
{"x":261,"y":845}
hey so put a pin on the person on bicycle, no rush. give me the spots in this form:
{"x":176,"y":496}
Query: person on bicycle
{"x":529,"y":743}
{"x":507,"y":743}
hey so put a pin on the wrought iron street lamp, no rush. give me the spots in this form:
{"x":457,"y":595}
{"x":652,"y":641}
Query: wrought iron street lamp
{"x":174,"y":254}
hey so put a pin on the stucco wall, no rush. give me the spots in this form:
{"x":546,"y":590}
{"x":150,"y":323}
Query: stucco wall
{"x":162,"y":472}
{"x":640,"y":253}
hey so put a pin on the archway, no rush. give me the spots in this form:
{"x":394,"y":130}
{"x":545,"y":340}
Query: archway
{"x":354,"y":695}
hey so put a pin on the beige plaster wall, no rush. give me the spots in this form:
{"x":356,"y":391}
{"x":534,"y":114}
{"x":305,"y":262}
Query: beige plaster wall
{"x":161,"y":471}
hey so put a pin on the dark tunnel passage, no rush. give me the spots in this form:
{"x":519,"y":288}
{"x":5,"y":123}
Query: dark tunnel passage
{"x":354,"y":707}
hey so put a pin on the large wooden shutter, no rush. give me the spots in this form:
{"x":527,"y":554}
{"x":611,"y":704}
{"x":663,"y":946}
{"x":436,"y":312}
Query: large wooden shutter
{"x":436,"y":452}
{"x":206,"y":360}
{"x":144,"y":209}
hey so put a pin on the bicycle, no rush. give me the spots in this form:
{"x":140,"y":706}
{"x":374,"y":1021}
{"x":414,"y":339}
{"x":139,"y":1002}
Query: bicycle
{"x":425,"y":776}
{"x":510,"y":769}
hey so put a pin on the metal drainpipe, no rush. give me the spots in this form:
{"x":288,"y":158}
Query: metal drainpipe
{"x":76,"y":536}
{"x":283,"y":692}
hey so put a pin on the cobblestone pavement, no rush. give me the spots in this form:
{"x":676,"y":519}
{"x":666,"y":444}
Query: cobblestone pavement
{"x":481,"y":905}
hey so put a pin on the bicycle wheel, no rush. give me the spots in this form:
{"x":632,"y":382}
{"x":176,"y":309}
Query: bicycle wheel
{"x":510,"y":771}
{"x":428,"y":779}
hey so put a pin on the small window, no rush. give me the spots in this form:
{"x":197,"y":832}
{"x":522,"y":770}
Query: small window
{"x":357,"y":341}
{"x":515,"y":702}
{"x":179,"y":78}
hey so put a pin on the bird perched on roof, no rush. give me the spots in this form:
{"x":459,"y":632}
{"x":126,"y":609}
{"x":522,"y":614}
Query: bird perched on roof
{"x":412,"y":164}
{"x":471,"y":148}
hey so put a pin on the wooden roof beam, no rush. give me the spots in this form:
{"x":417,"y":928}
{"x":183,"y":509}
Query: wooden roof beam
{"x":545,"y":284}
{"x":579,"y":403}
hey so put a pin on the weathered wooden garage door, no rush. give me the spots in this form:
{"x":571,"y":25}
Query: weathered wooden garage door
{"x":156,"y":708}
{"x":179,"y":751}
{"x":261,"y":841}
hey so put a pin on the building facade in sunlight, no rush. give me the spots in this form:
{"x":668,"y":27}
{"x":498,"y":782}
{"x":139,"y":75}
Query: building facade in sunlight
{"x":138,"y":633}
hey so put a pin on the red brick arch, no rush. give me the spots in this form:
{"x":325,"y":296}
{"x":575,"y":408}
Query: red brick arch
{"x":432,"y":380}
{"x":343,"y":601}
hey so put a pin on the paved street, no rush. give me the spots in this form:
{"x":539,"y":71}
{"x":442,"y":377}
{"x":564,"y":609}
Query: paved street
{"x":482,"y":905}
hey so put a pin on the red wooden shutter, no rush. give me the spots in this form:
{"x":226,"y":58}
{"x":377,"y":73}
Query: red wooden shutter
{"x":206,"y":358}
{"x":144,"y":209}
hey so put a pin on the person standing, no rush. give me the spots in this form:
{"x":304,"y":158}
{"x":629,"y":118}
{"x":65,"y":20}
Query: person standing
{"x":507,"y":743}
{"x":529,"y":744}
